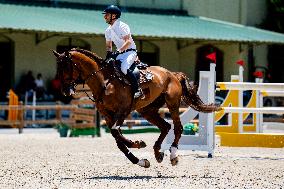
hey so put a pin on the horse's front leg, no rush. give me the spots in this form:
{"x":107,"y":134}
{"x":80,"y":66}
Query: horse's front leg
{"x":142,"y":162}
{"x":117,"y":134}
{"x":123,"y":143}
{"x":114,"y":120}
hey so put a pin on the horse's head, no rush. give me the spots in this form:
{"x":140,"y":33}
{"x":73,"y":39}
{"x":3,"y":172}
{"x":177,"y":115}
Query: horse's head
{"x":67,"y":72}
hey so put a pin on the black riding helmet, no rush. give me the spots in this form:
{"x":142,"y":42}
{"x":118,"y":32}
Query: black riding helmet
{"x":112,"y":9}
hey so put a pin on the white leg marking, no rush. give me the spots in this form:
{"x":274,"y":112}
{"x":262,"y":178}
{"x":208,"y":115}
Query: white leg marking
{"x":173,"y":152}
{"x":141,"y":162}
{"x":115,"y":126}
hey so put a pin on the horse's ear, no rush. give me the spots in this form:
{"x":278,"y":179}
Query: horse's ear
{"x":55,"y":53}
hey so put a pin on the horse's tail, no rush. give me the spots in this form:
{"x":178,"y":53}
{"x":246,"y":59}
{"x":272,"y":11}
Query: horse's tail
{"x":190,"y":96}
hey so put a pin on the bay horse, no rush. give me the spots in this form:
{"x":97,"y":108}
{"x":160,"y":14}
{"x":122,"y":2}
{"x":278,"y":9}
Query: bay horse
{"x":114,"y":99}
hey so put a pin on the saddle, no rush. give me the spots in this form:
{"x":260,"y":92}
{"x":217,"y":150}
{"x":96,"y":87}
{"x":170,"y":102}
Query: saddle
{"x":145,"y":75}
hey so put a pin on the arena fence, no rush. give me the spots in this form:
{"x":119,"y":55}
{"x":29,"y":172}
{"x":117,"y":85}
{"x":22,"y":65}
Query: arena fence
{"x":20,"y":122}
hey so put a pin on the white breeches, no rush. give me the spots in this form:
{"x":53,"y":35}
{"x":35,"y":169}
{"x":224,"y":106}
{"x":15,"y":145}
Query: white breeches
{"x":127,"y":60}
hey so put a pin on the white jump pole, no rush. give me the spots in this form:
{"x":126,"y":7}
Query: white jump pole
{"x":261,"y":90}
{"x":272,"y":93}
{"x":250,"y":86}
{"x":263,"y":94}
{"x":263,"y":110}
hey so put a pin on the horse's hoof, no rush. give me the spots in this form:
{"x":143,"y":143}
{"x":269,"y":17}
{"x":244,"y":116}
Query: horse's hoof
{"x":139,"y":144}
{"x":144,"y":163}
{"x":159,"y":157}
{"x":142,"y":144}
{"x":174,"y":161}
{"x":147,"y":163}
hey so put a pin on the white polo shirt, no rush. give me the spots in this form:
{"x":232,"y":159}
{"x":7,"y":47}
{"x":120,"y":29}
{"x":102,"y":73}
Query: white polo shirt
{"x":116,"y":32}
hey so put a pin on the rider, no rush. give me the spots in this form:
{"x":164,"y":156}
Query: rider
{"x":119,"y":33}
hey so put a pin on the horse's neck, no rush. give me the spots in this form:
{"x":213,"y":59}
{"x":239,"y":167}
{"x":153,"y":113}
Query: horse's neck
{"x":93,"y":76}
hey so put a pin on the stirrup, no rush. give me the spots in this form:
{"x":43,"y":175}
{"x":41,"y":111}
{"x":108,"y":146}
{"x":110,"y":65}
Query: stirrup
{"x":139,"y":94}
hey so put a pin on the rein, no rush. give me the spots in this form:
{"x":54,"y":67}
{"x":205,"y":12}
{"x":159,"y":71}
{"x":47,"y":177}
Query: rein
{"x":93,"y":73}
{"x":79,"y":78}
{"x":89,"y":77}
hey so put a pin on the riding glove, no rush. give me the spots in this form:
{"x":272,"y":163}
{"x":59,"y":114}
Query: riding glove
{"x":111,"y":54}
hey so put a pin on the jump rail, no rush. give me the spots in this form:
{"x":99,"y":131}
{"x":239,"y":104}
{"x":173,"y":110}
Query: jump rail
{"x":272,"y":93}
{"x":259,"y":90}
{"x":130,"y":122}
{"x":264,"y":110}
{"x":250,"y":86}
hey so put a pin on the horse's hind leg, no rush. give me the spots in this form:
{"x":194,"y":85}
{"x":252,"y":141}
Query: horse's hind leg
{"x":151,"y":114}
{"x":177,"y":131}
{"x":173,"y":101}
{"x":154,"y":118}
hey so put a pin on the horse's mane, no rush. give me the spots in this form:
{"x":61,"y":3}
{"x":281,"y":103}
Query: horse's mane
{"x":89,"y":54}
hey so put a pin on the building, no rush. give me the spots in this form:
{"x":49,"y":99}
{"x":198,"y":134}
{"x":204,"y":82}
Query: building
{"x":164,"y":32}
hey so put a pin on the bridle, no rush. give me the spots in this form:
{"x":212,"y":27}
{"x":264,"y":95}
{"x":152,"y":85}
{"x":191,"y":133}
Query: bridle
{"x":73,"y":83}
{"x":79,"y":80}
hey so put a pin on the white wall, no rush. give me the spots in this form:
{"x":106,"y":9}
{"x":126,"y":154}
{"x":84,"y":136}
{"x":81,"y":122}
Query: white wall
{"x":39,"y":57}
{"x":227,"y":10}
{"x":154,"y":4}
{"x":256,"y":12}
{"x":169,"y":56}
{"x":232,"y":54}
{"x":28,"y":56}
{"x":246,"y":12}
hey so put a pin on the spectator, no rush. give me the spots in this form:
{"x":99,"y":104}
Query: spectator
{"x":26,"y":85}
{"x":29,"y":82}
{"x":56,"y":88}
{"x":40,"y":90}
{"x":56,"y":91}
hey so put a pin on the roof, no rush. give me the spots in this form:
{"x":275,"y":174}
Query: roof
{"x":90,"y":22}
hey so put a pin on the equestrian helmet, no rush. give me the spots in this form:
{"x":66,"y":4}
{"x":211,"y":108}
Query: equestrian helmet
{"x":112,"y":9}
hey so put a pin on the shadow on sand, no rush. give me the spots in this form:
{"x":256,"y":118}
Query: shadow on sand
{"x":124,"y":177}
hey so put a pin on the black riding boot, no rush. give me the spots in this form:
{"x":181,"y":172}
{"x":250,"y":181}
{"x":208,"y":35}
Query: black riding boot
{"x":134,"y":83}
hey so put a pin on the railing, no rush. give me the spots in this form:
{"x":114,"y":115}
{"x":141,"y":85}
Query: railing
{"x":20,"y":122}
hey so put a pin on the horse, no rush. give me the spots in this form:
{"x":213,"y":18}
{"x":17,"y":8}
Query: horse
{"x":114,"y":98}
